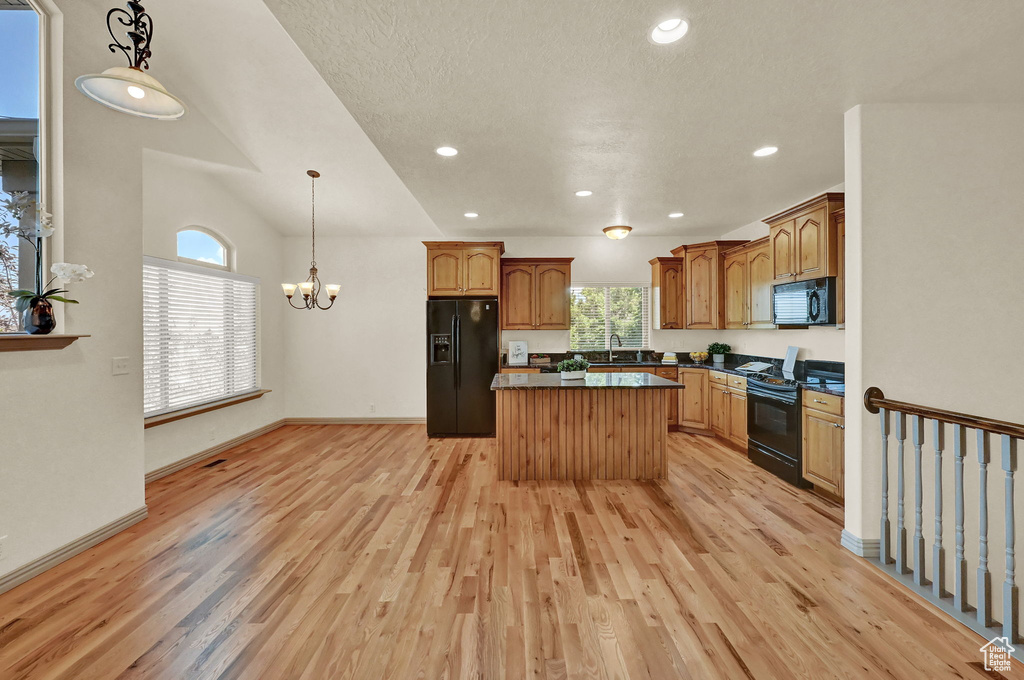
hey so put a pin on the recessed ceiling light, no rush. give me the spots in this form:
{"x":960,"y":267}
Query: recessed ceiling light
{"x":617,"y":232}
{"x":669,"y":31}
{"x":766,"y":151}
{"x":675,"y":215}
{"x":447,"y":151}
{"x":584,"y":193}
{"x":471,"y":215}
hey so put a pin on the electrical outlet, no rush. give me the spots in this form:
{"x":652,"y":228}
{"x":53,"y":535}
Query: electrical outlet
{"x":119,"y":366}
{"x":3,"y":554}
{"x":373,"y":407}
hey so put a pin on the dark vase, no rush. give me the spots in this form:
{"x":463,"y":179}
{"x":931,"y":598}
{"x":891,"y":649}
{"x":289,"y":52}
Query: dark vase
{"x":38,"y":319}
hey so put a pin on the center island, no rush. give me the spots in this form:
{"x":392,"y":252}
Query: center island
{"x":605,"y":426}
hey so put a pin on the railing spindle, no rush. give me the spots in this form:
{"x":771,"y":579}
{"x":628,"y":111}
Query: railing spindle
{"x":960,"y":563}
{"x":917,"y":424}
{"x":884,"y":550}
{"x":1009,"y":584}
{"x":938,"y":552}
{"x":901,"y":529}
{"x":984,"y":577}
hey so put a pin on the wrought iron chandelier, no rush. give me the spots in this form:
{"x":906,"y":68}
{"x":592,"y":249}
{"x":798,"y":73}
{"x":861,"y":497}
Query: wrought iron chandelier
{"x":310,"y":288}
{"x":129,"y":89}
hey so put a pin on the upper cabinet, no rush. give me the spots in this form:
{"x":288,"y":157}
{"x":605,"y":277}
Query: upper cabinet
{"x":705,"y":282}
{"x":458,"y":268}
{"x":840,"y":218}
{"x":668,"y":300}
{"x":749,"y":276}
{"x":535,"y":293}
{"x":804,"y":240}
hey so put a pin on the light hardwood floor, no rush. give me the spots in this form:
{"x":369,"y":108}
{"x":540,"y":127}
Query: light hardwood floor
{"x":372,"y":552}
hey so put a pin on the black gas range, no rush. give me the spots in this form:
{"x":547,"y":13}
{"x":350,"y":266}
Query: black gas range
{"x":774,"y":431}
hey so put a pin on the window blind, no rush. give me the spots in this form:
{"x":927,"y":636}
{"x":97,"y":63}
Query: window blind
{"x":200,"y":335}
{"x":600,"y":310}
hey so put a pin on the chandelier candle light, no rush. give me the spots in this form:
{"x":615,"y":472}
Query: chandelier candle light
{"x":129,"y":89}
{"x":310,"y":288}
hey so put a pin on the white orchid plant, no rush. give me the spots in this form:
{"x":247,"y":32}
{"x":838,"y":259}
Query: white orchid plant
{"x":13,"y":213}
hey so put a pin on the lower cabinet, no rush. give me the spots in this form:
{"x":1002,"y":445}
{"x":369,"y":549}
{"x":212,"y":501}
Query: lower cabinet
{"x":823,"y":448}
{"x":729,"y":408}
{"x":694,"y":400}
{"x":672,"y":404}
{"x":517,"y":369}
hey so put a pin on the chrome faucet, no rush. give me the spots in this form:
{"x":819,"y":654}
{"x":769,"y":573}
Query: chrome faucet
{"x":611,"y":359}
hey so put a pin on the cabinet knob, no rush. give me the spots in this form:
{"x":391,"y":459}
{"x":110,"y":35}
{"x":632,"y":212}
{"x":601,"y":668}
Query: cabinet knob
{"x":820,"y":401}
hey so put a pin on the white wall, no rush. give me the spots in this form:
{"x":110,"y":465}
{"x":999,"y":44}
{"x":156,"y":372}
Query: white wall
{"x":179,"y":194}
{"x":934,"y":249}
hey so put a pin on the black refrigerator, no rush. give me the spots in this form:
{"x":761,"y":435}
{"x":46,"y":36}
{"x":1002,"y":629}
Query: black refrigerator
{"x":462,"y":358}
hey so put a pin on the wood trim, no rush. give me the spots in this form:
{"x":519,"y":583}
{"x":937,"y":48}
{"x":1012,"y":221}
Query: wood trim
{"x":23,"y":342}
{"x":827,"y":197}
{"x":748,"y":246}
{"x":154,"y":475}
{"x":69,"y":550}
{"x":874,"y":400}
{"x":500,"y":245}
{"x":722,"y":246}
{"x":165,"y":418}
{"x":536,"y":260}
{"x":354,"y":421}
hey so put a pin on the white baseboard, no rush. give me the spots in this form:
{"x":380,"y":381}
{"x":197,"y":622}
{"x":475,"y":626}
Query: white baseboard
{"x":354,"y":421}
{"x":861,"y":547}
{"x":66,"y":552}
{"x":211,"y":452}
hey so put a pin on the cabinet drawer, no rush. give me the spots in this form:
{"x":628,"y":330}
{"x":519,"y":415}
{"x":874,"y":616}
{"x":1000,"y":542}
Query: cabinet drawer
{"x":668,"y":373}
{"x":819,"y":401}
{"x":737,"y":382}
{"x":718,"y":378}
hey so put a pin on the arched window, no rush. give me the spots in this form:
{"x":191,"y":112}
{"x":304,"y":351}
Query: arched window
{"x":23,"y":225}
{"x":202,"y":246}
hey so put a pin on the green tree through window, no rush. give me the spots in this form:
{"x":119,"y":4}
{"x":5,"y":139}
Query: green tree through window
{"x":599,"y":311}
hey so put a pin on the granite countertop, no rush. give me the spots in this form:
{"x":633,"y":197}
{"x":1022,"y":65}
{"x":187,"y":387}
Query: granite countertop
{"x":831,"y":388}
{"x":551,"y":381}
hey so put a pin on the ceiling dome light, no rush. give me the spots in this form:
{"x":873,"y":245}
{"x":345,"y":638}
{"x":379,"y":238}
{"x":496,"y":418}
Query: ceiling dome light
{"x":675,"y":215}
{"x":447,"y":151}
{"x":618,"y":232}
{"x":669,"y":31}
{"x":129,"y":89}
{"x":766,"y":151}
{"x":471,"y":215}
{"x":584,"y":193}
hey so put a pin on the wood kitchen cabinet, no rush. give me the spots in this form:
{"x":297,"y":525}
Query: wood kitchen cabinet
{"x":671,"y":373}
{"x":705,"y":283}
{"x":459,"y":268}
{"x":535,"y":293}
{"x":668,"y":301}
{"x":804,"y":242}
{"x":823,"y":447}
{"x":840,"y":218}
{"x":729,"y":407}
{"x":749,"y":277}
{"x":695,"y":400}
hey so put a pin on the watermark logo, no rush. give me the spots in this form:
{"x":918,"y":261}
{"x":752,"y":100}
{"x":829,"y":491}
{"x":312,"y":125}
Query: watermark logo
{"x":997,"y":654}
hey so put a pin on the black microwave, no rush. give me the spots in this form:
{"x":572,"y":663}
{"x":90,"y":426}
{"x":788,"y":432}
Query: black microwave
{"x":805,"y":303}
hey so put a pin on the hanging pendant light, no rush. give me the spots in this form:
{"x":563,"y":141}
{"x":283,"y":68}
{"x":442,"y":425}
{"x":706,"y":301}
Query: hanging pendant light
{"x":310,"y":288}
{"x":129,"y":89}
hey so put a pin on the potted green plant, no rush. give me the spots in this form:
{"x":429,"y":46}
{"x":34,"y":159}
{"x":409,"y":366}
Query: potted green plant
{"x":35,"y":306}
{"x":573,"y":369}
{"x":718,"y":350}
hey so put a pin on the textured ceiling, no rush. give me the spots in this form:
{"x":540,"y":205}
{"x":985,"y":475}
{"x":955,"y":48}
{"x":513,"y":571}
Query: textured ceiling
{"x":545,"y":97}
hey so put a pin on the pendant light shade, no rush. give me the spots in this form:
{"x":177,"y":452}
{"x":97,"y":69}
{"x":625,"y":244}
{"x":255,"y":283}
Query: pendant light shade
{"x":129,"y":89}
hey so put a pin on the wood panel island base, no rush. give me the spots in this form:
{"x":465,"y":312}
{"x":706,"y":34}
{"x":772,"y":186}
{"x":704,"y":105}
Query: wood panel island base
{"x":606,"y":426}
